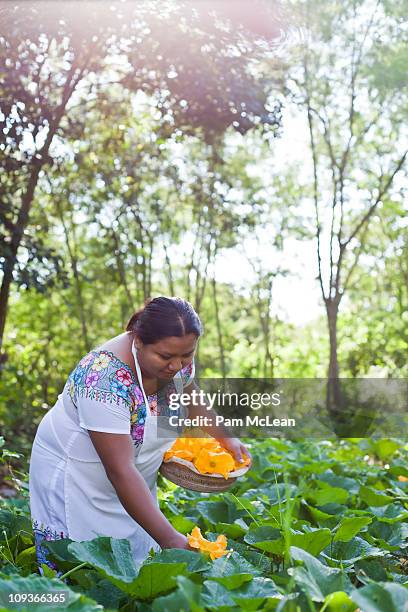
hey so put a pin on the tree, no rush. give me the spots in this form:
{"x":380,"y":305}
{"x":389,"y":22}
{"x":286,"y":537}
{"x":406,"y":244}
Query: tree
{"x":379,"y":301}
{"x":54,"y":57}
{"x":354,"y":126}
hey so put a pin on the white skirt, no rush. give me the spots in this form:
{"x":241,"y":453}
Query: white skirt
{"x":70,"y":498}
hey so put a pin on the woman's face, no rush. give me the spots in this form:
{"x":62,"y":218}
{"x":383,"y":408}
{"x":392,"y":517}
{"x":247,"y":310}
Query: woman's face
{"x":165,"y":358}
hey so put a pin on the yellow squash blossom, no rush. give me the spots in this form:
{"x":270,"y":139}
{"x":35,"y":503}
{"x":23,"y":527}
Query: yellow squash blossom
{"x":216,"y":549}
{"x":182,"y":454}
{"x":207,"y":454}
{"x":214,"y":463}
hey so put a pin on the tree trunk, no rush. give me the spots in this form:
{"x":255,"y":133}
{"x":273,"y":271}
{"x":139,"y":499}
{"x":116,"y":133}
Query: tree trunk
{"x":14,"y":246}
{"x":122,"y":270}
{"x":263,"y":308}
{"x":333,"y":393}
{"x":73,"y":77}
{"x":170,"y":270}
{"x":4,"y":296}
{"x":150,"y":266}
{"x":76,"y":275}
{"x":219,"y":330}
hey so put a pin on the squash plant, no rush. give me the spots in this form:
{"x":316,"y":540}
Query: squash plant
{"x":313,"y":526}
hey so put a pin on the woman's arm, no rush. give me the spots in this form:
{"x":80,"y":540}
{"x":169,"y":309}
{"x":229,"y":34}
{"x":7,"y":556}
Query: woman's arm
{"x":117,"y":453}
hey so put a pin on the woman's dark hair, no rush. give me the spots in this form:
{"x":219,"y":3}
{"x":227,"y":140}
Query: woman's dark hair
{"x":162,"y":317}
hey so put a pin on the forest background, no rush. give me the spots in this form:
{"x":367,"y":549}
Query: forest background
{"x":251,"y":161}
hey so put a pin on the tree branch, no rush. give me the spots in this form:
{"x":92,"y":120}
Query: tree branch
{"x":382,"y":192}
{"x":315,"y":179}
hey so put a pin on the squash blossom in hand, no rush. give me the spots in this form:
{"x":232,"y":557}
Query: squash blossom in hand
{"x":216,"y":549}
{"x":208,"y":456}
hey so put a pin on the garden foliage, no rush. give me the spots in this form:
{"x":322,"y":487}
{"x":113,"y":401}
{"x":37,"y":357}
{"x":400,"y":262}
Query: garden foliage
{"x":312,"y":526}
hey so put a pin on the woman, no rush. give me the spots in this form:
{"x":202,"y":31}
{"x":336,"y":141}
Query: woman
{"x":96,"y":453}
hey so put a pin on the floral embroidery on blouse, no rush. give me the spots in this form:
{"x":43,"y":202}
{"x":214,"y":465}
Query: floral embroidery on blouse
{"x":44,"y":532}
{"x":102,"y":376}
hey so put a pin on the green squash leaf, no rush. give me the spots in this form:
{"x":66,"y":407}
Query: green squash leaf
{"x":373,"y":497}
{"x":328,"y":494}
{"x":195,"y":562}
{"x":313,"y":541}
{"x":215,"y":596}
{"x":381,"y":597}
{"x":155,"y":579}
{"x":349,"y":552}
{"x":266,"y":538}
{"x":349,"y":527}
{"x":316,"y":579}
{"x":232,"y":571}
{"x":186,"y":598}
{"x":112,"y":557}
{"x":251,"y":595}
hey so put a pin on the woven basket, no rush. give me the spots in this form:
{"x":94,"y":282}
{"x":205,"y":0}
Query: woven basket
{"x":184,"y":477}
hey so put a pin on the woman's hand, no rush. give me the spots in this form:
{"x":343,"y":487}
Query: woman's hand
{"x":237,"y":448}
{"x":178,"y":540}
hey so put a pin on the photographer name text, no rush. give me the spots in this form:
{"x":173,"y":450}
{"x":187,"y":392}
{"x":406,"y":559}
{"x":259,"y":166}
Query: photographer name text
{"x":207,"y":421}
